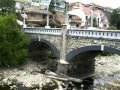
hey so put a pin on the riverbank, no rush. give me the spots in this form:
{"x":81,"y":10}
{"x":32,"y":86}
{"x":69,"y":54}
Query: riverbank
{"x":107,"y":74}
{"x":28,"y":75}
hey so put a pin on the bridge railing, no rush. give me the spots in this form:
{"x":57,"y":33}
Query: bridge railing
{"x":108,"y":34}
{"x":38,"y":30}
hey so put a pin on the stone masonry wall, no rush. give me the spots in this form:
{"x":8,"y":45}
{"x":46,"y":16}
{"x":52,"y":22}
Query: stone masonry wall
{"x":77,"y":42}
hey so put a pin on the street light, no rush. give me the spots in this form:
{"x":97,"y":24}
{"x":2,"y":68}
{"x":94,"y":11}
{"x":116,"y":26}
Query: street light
{"x":47,"y":19}
{"x":63,"y":64}
{"x":92,"y":11}
{"x":24,"y":24}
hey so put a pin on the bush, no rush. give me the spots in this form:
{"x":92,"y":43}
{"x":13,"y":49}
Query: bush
{"x":112,"y":28}
{"x":13,"y":43}
{"x":52,"y":23}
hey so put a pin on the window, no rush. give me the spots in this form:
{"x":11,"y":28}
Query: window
{"x":44,"y":16}
{"x":70,"y":16}
{"x":86,"y":17}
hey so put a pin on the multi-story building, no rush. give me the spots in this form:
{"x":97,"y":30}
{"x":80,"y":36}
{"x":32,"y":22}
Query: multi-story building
{"x":33,"y":11}
{"x":37,"y":17}
{"x":59,"y":7}
{"x":42,"y":4}
{"x":20,"y":4}
{"x":83,"y":12}
{"x":103,"y":13}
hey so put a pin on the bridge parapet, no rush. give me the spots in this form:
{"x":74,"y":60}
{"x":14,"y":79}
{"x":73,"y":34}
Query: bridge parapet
{"x":107,"y":34}
{"x":37,"y":30}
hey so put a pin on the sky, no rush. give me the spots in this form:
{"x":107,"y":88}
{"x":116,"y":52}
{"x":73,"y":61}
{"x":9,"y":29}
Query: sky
{"x":106,"y":3}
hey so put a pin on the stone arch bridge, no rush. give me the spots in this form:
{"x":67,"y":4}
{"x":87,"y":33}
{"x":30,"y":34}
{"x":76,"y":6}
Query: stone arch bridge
{"x":77,"y":41}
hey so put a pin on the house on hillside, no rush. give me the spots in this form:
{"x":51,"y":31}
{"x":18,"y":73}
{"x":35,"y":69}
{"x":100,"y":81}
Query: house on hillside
{"x":21,"y":4}
{"x":37,"y":17}
{"x":83,"y":12}
{"x":34,"y":11}
{"x":59,"y":7}
{"x":103,"y":13}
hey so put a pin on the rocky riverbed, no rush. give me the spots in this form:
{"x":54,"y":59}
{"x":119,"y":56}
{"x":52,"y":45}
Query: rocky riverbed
{"x":107,"y":75}
{"x":107,"y":72}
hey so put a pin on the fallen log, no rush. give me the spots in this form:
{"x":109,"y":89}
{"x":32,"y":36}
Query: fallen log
{"x":62,"y":77}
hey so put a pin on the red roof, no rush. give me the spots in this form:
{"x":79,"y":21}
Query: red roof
{"x":88,"y":10}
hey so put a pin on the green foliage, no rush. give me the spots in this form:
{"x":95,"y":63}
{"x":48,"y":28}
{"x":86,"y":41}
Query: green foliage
{"x":52,"y":23}
{"x":13,"y":42}
{"x":112,"y":28}
{"x":115,"y":18}
{"x":52,"y":55}
{"x":51,"y":7}
{"x":7,"y":6}
{"x":95,"y":22}
{"x":104,"y":54}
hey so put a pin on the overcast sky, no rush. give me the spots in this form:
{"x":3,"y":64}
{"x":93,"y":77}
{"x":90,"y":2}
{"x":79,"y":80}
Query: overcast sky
{"x":107,"y":3}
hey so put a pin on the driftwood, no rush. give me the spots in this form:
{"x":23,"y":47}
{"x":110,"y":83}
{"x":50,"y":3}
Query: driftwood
{"x":62,"y":77}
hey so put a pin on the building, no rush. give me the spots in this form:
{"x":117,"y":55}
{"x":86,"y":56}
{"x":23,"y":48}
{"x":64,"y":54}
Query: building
{"x":86,"y":11}
{"x":34,"y":11}
{"x":37,"y":17}
{"x":103,"y":13}
{"x":83,"y":12}
{"x":42,"y":4}
{"x":59,"y":7}
{"x":21,"y":4}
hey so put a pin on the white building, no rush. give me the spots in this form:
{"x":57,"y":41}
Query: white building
{"x":42,"y":4}
{"x":21,"y":4}
{"x":83,"y":12}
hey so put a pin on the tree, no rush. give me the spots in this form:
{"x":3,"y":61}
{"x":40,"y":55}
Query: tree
{"x":13,"y":43}
{"x":115,"y":18}
{"x":94,"y":22}
{"x":51,"y":6}
{"x":53,"y":24}
{"x":7,"y":6}
{"x":112,"y":28}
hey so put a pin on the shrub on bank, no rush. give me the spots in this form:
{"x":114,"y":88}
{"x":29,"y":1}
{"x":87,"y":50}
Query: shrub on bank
{"x":52,"y":23}
{"x":13,"y":43}
{"x":112,"y":28}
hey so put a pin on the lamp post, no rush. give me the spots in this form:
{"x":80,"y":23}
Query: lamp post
{"x":91,"y":18}
{"x":63,"y":64}
{"x":93,"y":8}
{"x":24,"y":25}
{"x":47,"y":18}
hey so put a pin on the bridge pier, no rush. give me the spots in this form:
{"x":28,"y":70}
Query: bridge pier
{"x":63,"y":64}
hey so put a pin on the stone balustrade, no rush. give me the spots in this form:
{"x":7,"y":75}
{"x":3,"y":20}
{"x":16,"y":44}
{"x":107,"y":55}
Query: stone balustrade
{"x":37,"y":30}
{"x":105,"y":34}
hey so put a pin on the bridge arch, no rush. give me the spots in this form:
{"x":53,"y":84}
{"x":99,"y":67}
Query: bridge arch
{"x":77,"y":51}
{"x":55,"y":50}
